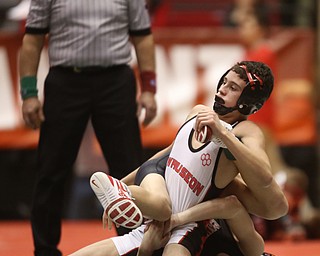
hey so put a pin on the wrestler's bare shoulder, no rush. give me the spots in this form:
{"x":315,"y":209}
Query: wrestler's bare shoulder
{"x":248,"y":128}
{"x":196,"y":109}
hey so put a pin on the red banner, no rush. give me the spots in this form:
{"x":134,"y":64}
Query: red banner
{"x":189,"y":63}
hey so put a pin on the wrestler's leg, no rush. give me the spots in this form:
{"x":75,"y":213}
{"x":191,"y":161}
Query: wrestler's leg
{"x":259,"y":192}
{"x":266,"y":202}
{"x":101,"y":248}
{"x":152,"y":197}
{"x":249,"y":240}
{"x":176,"y":250}
{"x":127,"y":244}
{"x":151,"y":194}
{"x":124,"y":204}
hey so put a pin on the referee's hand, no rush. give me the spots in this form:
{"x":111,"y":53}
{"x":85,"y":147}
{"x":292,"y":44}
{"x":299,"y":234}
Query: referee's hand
{"x":147,"y":102}
{"x":32,"y":112}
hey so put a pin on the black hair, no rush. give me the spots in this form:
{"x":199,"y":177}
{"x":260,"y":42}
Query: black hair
{"x":259,"y":69}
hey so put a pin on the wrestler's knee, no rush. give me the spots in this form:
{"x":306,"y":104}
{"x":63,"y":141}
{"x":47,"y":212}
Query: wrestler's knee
{"x":233,"y":205}
{"x":276,"y":208}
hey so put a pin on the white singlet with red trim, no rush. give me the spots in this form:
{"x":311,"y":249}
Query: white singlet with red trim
{"x":189,"y":171}
{"x":188,"y":176}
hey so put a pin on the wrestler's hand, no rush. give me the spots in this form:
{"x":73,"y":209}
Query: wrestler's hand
{"x":154,"y":235}
{"x":106,"y":221}
{"x":32,"y":112}
{"x":211,"y":119}
{"x":173,"y":222}
{"x":148,"y":102}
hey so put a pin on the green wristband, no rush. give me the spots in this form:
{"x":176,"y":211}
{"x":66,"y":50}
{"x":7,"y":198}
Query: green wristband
{"x":28,"y":87}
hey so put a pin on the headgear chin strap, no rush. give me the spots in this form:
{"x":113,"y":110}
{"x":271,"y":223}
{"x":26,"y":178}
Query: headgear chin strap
{"x":222,"y":110}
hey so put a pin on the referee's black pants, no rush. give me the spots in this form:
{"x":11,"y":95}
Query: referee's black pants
{"x":108,"y":97}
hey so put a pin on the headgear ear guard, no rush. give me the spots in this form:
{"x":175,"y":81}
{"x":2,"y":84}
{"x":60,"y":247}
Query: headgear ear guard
{"x":251,"y":99}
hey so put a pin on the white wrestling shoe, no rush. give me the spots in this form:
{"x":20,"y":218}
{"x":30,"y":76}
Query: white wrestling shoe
{"x":116,"y":199}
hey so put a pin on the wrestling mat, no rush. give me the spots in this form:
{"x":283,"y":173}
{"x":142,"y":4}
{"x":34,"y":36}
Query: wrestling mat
{"x":16,"y":239}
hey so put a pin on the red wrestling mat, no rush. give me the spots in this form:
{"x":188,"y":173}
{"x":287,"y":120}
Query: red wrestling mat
{"x":16,"y":239}
{"x":306,"y":248}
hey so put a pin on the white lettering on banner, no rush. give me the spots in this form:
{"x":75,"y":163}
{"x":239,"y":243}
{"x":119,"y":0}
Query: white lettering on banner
{"x":177,"y":75}
{"x":178,"y":78}
{"x":9,"y":118}
{"x":10,"y":110}
{"x":177,"y":81}
{"x":216,"y":60}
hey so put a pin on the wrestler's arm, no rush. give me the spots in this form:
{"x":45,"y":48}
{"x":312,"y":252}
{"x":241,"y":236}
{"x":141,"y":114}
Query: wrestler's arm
{"x":258,"y":191}
{"x":266,"y":198}
{"x":153,"y":238}
{"x":229,"y":208}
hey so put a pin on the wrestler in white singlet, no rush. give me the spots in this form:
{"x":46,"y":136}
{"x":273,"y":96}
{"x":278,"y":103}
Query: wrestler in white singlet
{"x":189,"y":175}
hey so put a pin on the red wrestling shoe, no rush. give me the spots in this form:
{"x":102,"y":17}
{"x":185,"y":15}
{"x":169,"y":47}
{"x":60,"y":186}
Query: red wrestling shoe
{"x":116,"y":199}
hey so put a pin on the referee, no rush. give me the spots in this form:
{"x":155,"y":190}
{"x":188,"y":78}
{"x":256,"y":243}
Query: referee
{"x":89,"y":45}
